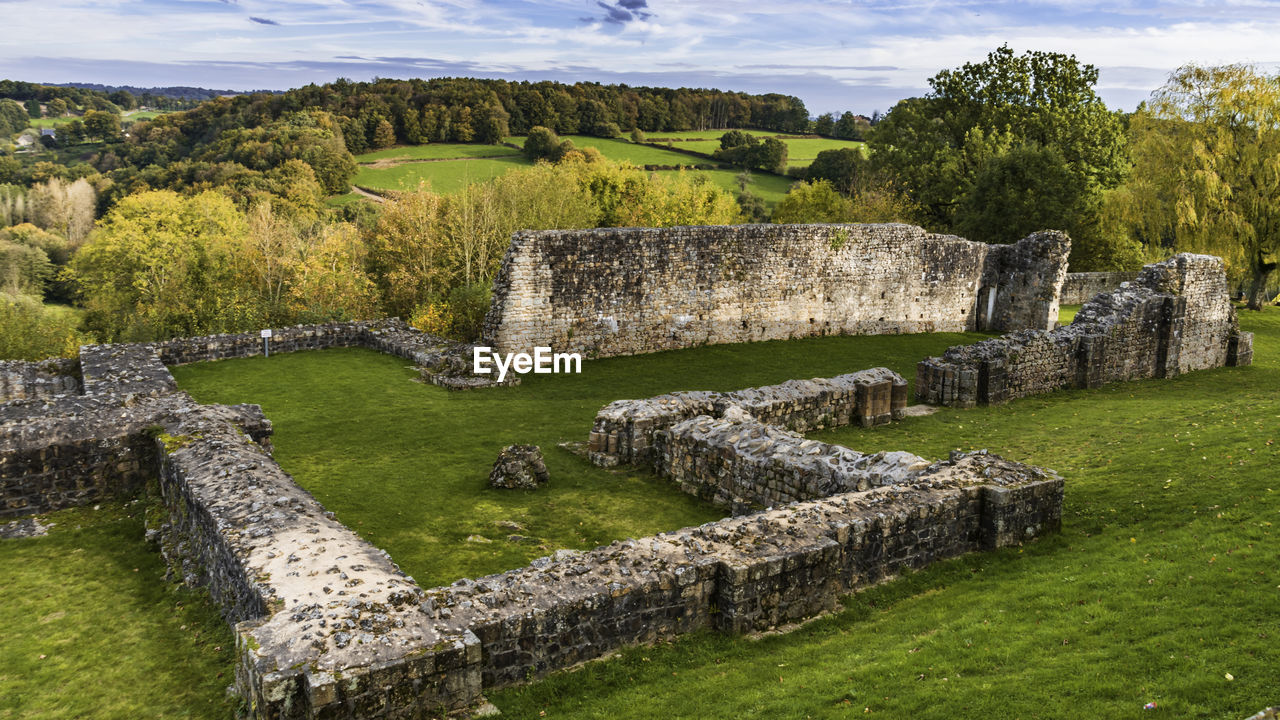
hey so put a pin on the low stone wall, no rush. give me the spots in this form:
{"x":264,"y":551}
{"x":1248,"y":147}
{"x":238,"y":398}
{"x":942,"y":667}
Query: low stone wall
{"x":390,"y":335}
{"x":328,"y":627}
{"x":742,"y":574}
{"x":23,"y":380}
{"x":620,"y":291}
{"x":1080,"y":287}
{"x":1175,"y":317}
{"x":747,"y":465}
{"x":326,"y":624}
{"x":85,"y":449}
{"x":624,"y":430}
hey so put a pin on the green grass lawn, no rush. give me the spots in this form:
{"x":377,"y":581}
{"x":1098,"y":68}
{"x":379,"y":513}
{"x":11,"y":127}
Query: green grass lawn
{"x":344,"y":199}
{"x":1163,"y":582}
{"x":93,"y":630}
{"x":687,"y":135}
{"x":437,"y":151}
{"x":446,"y":176}
{"x":410,"y":474}
{"x":801,"y":152}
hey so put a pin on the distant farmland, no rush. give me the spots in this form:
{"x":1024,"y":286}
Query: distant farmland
{"x":449,"y":167}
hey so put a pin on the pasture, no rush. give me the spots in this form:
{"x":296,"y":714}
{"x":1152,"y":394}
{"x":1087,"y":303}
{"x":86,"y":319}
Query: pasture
{"x":444,"y":176}
{"x":449,"y":167}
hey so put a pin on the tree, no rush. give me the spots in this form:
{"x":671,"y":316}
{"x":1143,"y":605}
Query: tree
{"x":1026,"y":189}
{"x":852,"y":127}
{"x":1206,"y":176}
{"x":813,"y":202}
{"x":384,"y":135}
{"x":23,"y":269}
{"x":936,"y":145}
{"x":842,"y":167}
{"x":103,"y":125}
{"x":65,"y":208}
{"x":33,"y":108}
{"x":543,"y":144}
{"x":825,"y":124}
{"x":163,"y":265}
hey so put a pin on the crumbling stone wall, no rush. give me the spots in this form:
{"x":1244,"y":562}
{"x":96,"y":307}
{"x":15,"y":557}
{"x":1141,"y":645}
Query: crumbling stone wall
{"x":624,"y":430}
{"x":742,"y":574}
{"x":746,"y":464}
{"x":328,"y":627}
{"x":1175,"y":317}
{"x":635,"y":290}
{"x":1080,"y":287}
{"x":61,"y":449}
{"x":326,"y":624}
{"x":21,"y":380}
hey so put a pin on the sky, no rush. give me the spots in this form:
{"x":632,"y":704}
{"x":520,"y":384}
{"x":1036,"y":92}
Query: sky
{"x":836,"y":56}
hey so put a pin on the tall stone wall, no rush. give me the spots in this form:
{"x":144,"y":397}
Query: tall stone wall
{"x":1080,"y":287}
{"x":634,"y":290}
{"x":1175,"y":317}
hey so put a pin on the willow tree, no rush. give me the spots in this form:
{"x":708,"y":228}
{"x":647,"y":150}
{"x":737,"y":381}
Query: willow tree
{"x":1206,"y":153}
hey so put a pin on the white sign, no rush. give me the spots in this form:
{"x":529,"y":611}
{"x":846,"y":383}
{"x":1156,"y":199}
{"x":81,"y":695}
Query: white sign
{"x":266,"y":333}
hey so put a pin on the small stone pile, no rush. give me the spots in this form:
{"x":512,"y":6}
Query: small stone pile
{"x":519,"y":467}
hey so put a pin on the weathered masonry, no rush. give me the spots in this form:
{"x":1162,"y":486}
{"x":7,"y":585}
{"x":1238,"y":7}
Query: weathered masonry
{"x":624,"y":430}
{"x":1079,"y":288}
{"x":328,"y":627}
{"x":636,"y":290}
{"x":1176,"y":317}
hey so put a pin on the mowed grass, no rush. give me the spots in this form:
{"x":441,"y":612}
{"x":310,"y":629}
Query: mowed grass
{"x":687,"y":135}
{"x":1163,"y":582}
{"x":445,"y":176}
{"x":801,"y":152}
{"x":93,"y":630}
{"x":1161,"y":588}
{"x":406,"y":464}
{"x":437,"y":151}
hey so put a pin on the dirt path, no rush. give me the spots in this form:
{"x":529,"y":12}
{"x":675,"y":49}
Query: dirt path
{"x":372,"y":196}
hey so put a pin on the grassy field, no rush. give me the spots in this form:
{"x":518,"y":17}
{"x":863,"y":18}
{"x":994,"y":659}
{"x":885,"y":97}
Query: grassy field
{"x":437,"y":151}
{"x":800,"y":151}
{"x":426,"y":452}
{"x":631,"y":152}
{"x":686,"y":135}
{"x":769,"y":188}
{"x":477,"y":163}
{"x":446,"y":176}
{"x":1162,"y":586}
{"x":93,"y":630}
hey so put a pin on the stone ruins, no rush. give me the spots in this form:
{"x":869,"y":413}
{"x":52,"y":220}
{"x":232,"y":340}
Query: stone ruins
{"x":635,"y":290}
{"x":1175,"y":317}
{"x":327,"y":626}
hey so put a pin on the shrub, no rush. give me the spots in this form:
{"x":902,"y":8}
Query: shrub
{"x":32,"y":331}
